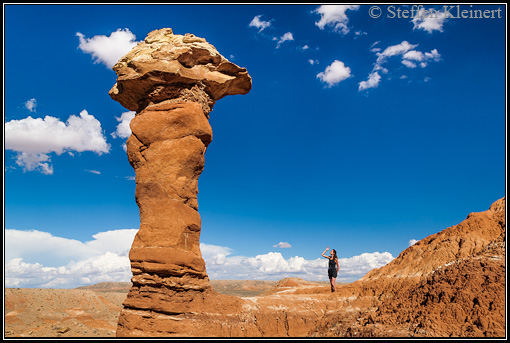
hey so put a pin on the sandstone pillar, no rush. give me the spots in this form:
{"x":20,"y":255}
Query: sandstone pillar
{"x":172,"y":82}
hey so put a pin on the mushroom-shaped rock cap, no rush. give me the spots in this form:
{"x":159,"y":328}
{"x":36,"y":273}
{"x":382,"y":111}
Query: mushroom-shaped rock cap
{"x":160,"y":67}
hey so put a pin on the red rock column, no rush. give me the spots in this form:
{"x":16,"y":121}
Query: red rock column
{"x":172,"y":82}
{"x":166,"y":149}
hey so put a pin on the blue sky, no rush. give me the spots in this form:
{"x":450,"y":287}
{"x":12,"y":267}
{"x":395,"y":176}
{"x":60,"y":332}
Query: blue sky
{"x":363,"y":134}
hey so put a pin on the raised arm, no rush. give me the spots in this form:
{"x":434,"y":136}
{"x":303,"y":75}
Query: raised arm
{"x":325,"y":252}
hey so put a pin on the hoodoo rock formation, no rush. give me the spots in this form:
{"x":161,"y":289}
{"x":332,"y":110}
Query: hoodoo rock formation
{"x":449,"y":284}
{"x":172,"y":82}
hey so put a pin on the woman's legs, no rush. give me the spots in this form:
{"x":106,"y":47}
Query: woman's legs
{"x":332,"y":282}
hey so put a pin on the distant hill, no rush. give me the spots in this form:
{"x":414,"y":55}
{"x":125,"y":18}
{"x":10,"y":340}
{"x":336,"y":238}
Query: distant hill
{"x":108,"y":287}
{"x":241,"y":288}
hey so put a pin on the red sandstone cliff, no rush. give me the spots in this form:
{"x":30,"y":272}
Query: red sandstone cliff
{"x":450,"y":284}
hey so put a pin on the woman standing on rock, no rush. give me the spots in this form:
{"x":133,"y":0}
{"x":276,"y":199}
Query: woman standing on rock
{"x":332,"y":267}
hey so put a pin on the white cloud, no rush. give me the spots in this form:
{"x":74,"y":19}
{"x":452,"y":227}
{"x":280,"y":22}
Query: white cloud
{"x":286,"y":37}
{"x":259,"y":24}
{"x":409,"y":64}
{"x":398,"y":49}
{"x":34,"y":161}
{"x":373,"y":81}
{"x":94,"y":172}
{"x":335,"y":73}
{"x":31,"y":105}
{"x":360,"y":265}
{"x":106,"y":267}
{"x":273,"y":266}
{"x":334,"y":16}
{"x":412,"y":242}
{"x":414,"y":55}
{"x":123,"y":129}
{"x":39,"y":259}
{"x":35,"y":138}
{"x":214,"y":254}
{"x":429,"y":20}
{"x":312,"y":62}
{"x":305,"y":47}
{"x":409,"y":58}
{"x":433,"y":55}
{"x":421,"y":57}
{"x":282,"y":245}
{"x":108,"y":50}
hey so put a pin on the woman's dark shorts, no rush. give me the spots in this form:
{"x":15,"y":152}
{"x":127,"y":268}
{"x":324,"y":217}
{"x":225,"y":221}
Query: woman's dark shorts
{"x":332,"y":273}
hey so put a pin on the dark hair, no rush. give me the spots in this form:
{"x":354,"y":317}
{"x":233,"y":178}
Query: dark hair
{"x":336,"y":257}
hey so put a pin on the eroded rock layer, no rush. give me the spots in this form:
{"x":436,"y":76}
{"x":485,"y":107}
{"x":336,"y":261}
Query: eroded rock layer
{"x":172,"y":82}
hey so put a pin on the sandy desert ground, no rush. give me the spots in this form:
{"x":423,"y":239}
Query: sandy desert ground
{"x":93,"y":311}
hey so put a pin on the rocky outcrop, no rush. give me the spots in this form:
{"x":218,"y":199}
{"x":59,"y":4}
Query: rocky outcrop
{"x":450,"y":284}
{"x":451,"y":245}
{"x":172,"y":82}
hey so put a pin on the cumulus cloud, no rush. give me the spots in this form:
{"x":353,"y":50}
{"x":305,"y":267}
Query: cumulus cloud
{"x":34,"y":138}
{"x":286,"y":37}
{"x":429,"y":20}
{"x":123,"y":130}
{"x":312,"y":61}
{"x":336,"y":72}
{"x":373,"y":81}
{"x":282,"y":245}
{"x":409,"y":64}
{"x":108,"y":50}
{"x":39,"y":259}
{"x":273,"y":266}
{"x":398,"y":49}
{"x":432,"y":55}
{"x":413,"y":55}
{"x":410,"y":57}
{"x":259,"y":24}
{"x":31,"y":105}
{"x":412,"y":242}
{"x":335,"y":16}
{"x":214,"y":254}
